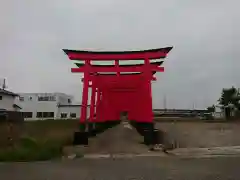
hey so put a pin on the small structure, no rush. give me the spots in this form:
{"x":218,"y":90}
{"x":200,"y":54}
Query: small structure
{"x":9,"y":111}
{"x":117,"y":88}
{"x":7,"y":101}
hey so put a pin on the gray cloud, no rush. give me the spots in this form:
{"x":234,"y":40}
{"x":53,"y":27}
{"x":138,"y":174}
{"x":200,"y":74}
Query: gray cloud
{"x":205,"y":36}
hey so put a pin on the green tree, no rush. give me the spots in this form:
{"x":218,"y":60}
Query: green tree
{"x":227,"y":96}
{"x":229,"y":100}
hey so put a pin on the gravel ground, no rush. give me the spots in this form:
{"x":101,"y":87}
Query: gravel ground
{"x":148,"y":168}
{"x":201,"y":134}
{"x":117,"y":140}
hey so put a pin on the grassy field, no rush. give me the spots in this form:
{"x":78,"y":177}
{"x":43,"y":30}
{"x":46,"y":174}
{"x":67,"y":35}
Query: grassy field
{"x":35,"y":140}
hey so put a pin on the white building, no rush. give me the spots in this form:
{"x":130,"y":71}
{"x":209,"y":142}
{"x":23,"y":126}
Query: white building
{"x":71,"y":111}
{"x":7,"y":101}
{"x":38,"y":106}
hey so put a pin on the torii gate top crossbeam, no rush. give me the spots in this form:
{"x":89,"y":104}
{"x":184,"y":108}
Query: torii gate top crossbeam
{"x":118,"y":55}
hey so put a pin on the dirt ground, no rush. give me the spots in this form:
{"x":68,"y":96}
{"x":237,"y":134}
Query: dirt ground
{"x":202,"y":134}
{"x":124,"y":139}
{"x":121,"y":139}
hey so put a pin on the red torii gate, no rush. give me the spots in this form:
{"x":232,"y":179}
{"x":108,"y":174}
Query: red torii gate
{"x":126,"y":89}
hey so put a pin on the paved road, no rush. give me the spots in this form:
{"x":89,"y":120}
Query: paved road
{"x":147,"y":168}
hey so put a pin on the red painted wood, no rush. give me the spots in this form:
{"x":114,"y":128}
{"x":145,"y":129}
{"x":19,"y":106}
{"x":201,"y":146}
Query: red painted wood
{"x":115,"y":78}
{"x":125,"y":93}
{"x":92,"y":105}
{"x":119,"y":69}
{"x":83,"y":117}
{"x":118,"y":93}
{"x":137,"y":102}
{"x":96,"y":119}
{"x":131,"y":55}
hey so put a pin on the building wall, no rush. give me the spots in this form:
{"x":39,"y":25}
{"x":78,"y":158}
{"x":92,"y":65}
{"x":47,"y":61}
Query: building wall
{"x":64,"y":98}
{"x":71,"y":109}
{"x":30,"y":103}
{"x":218,"y":112}
{"x":7,"y":102}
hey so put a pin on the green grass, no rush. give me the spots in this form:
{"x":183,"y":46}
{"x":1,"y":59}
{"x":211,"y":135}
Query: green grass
{"x":36,"y":140}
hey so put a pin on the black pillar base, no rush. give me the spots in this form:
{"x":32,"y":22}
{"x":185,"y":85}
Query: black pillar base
{"x":80,"y":138}
{"x":103,"y":126}
{"x":150,"y":135}
{"x":142,"y":128}
{"x":152,"y":138}
{"x":93,"y":133}
{"x":91,"y":129}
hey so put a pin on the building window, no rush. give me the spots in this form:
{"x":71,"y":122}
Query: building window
{"x":43,"y":98}
{"x":46,"y":98}
{"x":30,"y":98}
{"x":45,"y":114}
{"x":52,"y":98}
{"x":73,"y":115}
{"x":51,"y":114}
{"x":21,"y":98}
{"x":27,"y":114}
{"x":0,"y":97}
{"x":39,"y":114}
{"x":63,"y":115}
{"x":69,"y":101}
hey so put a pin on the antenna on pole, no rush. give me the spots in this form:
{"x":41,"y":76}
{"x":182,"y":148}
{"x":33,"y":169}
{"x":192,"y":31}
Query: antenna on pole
{"x":4,"y":84}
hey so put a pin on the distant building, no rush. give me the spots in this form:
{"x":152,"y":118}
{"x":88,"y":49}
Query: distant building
{"x":179,"y":112}
{"x":218,"y":113}
{"x":40,"y":106}
{"x":7,"y":101}
{"x":71,"y":111}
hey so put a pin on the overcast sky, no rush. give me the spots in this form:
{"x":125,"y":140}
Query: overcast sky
{"x":204,"y":34}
